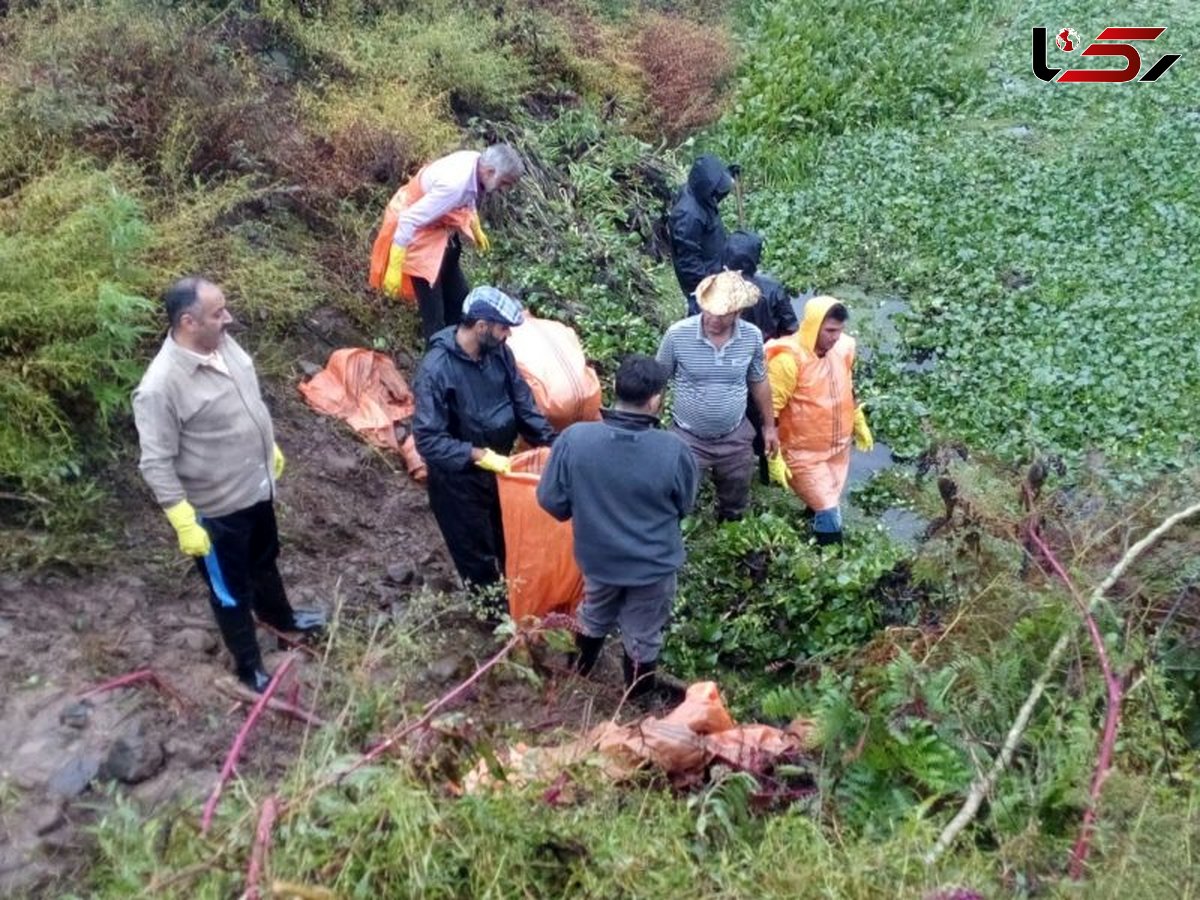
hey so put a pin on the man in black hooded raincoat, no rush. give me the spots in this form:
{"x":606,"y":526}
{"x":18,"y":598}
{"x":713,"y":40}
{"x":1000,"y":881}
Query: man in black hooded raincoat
{"x":697,"y":232}
{"x":773,"y":314}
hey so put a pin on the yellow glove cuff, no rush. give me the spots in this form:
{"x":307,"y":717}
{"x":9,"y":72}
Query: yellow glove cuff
{"x":482,"y":243}
{"x":778,"y":470}
{"x":181,"y":515}
{"x":393,"y":276}
{"x":863,"y":439}
{"x":494,"y":462}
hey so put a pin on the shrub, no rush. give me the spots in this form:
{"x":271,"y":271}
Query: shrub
{"x":71,"y":315}
{"x":686,"y":66}
{"x":756,"y":593}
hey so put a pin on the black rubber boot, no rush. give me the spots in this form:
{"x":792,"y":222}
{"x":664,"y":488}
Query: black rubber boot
{"x":254,"y":678}
{"x":308,"y":621}
{"x":825,"y":538}
{"x":639,"y":677}
{"x":587,"y":652}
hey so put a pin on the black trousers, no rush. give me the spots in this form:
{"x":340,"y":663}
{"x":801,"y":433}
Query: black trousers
{"x":243,"y":579}
{"x":466,"y":506}
{"x":440,"y":303}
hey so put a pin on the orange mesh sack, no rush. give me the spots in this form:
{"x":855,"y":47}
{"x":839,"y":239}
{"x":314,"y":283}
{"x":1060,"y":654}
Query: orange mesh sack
{"x":539,"y":550}
{"x":551,"y":360}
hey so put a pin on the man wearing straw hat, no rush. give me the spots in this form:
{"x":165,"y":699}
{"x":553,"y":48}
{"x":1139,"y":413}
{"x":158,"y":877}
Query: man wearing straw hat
{"x":716,"y":361}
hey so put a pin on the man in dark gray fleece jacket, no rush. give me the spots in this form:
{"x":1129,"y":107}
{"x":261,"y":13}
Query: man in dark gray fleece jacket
{"x":625,"y":485}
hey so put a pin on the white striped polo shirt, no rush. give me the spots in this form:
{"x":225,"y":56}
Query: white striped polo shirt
{"x":711,"y":383}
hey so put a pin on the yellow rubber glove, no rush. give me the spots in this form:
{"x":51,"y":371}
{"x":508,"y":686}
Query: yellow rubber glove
{"x":482,"y":244}
{"x":863,"y":439}
{"x":494,"y":462}
{"x":193,"y":539}
{"x":394,"y":274}
{"x":279,"y":463}
{"x":778,"y":470}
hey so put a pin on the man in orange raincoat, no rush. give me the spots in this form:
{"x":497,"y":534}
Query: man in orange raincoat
{"x":416,"y":253}
{"x":812,"y":395}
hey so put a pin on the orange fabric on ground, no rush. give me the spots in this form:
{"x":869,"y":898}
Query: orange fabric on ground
{"x":682,"y":744}
{"x":550,"y":358}
{"x":423,"y":257}
{"x":364,"y":389}
{"x":539,"y":550}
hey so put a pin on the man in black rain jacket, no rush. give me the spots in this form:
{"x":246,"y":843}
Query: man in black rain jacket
{"x":471,"y":405}
{"x":697,"y":232}
{"x":773,"y":314}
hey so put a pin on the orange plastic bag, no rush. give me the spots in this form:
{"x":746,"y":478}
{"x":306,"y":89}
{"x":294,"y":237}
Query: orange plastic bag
{"x":539,"y":550}
{"x":550,"y":358}
{"x":365,"y":390}
{"x":682,"y":744}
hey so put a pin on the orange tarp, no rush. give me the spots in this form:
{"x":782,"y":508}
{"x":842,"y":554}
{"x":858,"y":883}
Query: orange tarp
{"x":681,"y":744}
{"x":364,"y":389}
{"x":539,"y":550}
{"x":550,"y":359}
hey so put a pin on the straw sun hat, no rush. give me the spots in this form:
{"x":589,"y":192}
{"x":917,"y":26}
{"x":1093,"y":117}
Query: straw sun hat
{"x":725,"y":293}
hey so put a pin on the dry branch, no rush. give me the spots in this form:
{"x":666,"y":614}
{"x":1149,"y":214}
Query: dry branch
{"x":983,"y":784}
{"x":240,"y":692}
{"x":262,"y":844}
{"x":1115,"y":695}
{"x":239,"y":741}
{"x":133,"y":678}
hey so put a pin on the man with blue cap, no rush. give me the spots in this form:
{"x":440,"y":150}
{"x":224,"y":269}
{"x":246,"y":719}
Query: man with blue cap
{"x":471,"y":405}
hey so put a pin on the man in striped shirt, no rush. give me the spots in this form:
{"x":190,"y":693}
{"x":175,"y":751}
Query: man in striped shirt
{"x":716,"y":362}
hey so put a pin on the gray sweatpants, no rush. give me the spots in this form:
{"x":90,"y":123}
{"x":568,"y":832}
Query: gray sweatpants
{"x":641,"y":612}
{"x":730,"y":459}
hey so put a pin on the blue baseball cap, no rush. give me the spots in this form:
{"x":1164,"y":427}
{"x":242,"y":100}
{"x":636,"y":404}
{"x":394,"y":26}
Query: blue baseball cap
{"x":492,"y":305}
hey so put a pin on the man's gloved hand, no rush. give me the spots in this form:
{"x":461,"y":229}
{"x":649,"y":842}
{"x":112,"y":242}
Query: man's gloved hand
{"x":491,"y":461}
{"x":863,"y":439}
{"x":279,"y":462}
{"x":482,"y":244}
{"x":193,"y":539}
{"x":778,"y":471}
{"x":394,"y":274}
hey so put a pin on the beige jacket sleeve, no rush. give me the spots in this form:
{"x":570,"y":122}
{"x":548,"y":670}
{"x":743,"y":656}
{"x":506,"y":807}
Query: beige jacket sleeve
{"x":158,"y":434}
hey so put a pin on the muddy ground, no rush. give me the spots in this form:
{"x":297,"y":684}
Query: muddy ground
{"x":355,"y":530}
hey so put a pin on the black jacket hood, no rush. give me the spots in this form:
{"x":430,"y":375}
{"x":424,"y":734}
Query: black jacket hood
{"x":743,"y":247}
{"x":709,"y":180}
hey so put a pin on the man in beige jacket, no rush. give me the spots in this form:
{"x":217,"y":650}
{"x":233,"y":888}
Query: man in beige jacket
{"x":209,"y":455}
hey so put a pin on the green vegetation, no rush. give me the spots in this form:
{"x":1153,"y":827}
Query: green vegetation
{"x":755,"y":594}
{"x":258,"y":147}
{"x":1042,"y":233}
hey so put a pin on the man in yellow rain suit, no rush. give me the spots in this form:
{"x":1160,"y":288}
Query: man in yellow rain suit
{"x":812,"y":395}
{"x":416,"y":252}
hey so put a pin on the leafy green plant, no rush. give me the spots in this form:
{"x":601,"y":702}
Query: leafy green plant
{"x":758,"y":592}
{"x":896,"y":748}
{"x":1031,"y":243}
{"x":71,"y":316}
